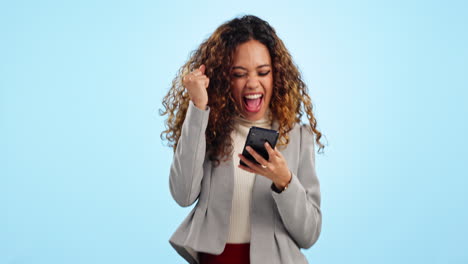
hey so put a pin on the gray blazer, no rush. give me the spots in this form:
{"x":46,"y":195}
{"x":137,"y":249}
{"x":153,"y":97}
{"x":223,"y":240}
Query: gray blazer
{"x":281,"y":223}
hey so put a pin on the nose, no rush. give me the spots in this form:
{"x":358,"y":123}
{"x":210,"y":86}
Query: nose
{"x":252,"y":83}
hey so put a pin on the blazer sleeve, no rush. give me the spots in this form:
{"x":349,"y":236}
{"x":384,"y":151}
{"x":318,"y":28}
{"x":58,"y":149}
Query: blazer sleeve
{"x":187,"y":165}
{"x":299,"y":204}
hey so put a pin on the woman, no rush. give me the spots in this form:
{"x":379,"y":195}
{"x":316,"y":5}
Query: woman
{"x":242,"y":76}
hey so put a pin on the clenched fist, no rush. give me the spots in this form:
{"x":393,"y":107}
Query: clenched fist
{"x":196,"y":84}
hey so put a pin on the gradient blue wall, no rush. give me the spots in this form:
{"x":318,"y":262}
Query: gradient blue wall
{"x":84,"y":174}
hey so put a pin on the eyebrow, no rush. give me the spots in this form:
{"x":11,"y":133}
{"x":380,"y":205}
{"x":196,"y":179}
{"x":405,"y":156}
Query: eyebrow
{"x":242,"y":68}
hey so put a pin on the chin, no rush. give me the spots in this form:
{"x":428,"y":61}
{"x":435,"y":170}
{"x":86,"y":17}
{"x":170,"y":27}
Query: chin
{"x":254,"y":116}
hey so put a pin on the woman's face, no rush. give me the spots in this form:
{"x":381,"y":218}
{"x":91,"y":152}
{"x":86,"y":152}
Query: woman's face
{"x":252,"y":79}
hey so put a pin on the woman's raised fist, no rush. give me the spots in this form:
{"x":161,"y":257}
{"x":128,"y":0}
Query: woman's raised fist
{"x":196,"y":84}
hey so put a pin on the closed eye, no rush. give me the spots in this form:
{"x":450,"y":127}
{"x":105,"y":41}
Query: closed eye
{"x":237,"y":75}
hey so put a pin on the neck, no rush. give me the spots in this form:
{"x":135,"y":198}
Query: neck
{"x":262,"y":122}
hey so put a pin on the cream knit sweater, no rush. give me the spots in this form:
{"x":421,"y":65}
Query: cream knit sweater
{"x":239,"y":229}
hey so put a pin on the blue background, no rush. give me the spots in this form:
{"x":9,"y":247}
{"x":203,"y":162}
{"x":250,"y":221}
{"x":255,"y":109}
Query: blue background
{"x":84,"y":174}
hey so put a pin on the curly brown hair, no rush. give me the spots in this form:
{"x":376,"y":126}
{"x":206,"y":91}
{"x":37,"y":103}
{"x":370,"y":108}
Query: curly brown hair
{"x":289,"y":99}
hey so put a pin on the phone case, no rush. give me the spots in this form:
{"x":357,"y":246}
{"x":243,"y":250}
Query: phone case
{"x":256,"y":139}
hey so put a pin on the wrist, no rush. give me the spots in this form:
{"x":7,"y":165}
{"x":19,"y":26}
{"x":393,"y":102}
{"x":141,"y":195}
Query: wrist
{"x":284,"y":184}
{"x":199,"y":105}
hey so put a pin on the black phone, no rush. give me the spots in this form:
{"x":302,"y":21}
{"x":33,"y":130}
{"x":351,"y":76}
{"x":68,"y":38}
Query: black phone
{"x":256,"y":140}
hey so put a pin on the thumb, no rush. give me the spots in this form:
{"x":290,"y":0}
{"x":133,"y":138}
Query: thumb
{"x":202,"y":68}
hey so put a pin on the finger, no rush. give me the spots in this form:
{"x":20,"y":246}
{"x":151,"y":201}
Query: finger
{"x":270,"y":151}
{"x":200,"y":71}
{"x":254,"y":167}
{"x":278,"y":153}
{"x":198,"y":79}
{"x":190,"y":77}
{"x":256,"y":156}
{"x":202,"y":68}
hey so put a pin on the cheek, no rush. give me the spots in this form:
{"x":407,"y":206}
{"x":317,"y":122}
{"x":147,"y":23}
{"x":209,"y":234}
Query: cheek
{"x":236,"y":91}
{"x":236,"y":88}
{"x":269,"y":87}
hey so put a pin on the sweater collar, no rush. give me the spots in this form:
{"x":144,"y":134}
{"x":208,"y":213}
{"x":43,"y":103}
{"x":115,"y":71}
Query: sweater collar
{"x":265,"y":121}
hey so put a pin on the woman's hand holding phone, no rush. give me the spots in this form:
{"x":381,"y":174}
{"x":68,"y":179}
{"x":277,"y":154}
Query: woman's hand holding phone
{"x":275,"y":168}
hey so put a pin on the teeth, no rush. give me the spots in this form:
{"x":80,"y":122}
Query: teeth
{"x":253,"y":96}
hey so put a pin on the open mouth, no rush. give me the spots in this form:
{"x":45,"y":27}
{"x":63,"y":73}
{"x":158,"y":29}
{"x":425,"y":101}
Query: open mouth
{"x":253,"y":102}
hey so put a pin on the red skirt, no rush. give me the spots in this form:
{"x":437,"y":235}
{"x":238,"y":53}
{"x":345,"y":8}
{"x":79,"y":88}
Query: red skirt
{"x":232,"y":254}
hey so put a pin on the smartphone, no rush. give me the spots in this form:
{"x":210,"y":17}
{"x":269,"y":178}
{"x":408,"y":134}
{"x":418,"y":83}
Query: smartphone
{"x":256,"y":139}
